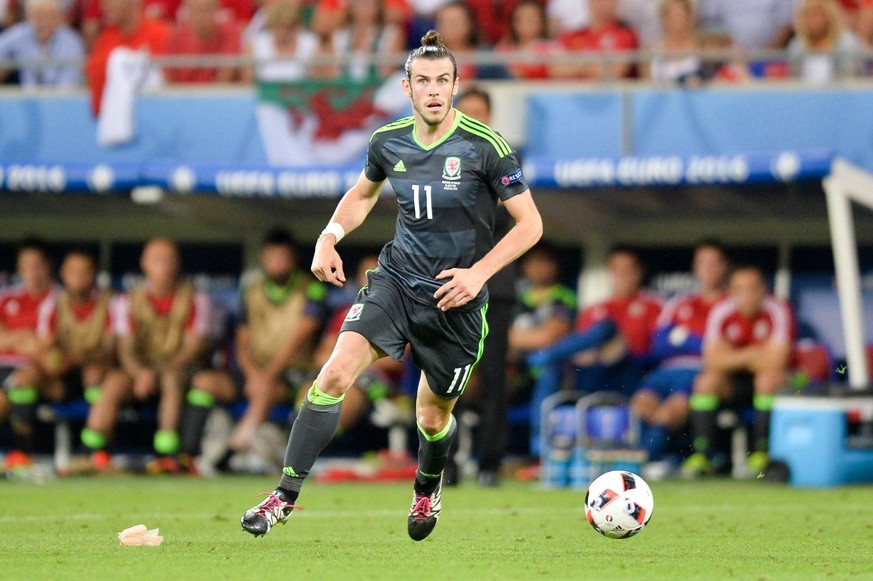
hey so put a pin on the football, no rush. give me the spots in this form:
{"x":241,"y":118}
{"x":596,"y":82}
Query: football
{"x":619,"y":504}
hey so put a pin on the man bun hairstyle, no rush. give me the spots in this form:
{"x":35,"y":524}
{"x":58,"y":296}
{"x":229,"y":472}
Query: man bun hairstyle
{"x":432,"y":48}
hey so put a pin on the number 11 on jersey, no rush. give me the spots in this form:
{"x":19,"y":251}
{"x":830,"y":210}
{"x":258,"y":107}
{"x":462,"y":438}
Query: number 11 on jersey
{"x":427,"y":201}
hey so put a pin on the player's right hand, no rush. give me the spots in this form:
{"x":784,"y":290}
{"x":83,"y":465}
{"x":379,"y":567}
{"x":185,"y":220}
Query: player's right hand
{"x":327,"y":266}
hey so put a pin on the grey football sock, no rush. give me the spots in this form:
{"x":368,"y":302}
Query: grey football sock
{"x":312,"y":431}
{"x":433,"y":452}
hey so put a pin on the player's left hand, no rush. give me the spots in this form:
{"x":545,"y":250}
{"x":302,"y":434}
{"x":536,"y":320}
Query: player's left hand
{"x":463,"y":287}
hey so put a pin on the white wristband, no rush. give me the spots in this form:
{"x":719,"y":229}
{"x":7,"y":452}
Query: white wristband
{"x":336,"y":229}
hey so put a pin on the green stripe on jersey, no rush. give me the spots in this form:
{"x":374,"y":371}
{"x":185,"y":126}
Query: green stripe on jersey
{"x":487,"y":129}
{"x":399,"y":124}
{"x":502,"y":150}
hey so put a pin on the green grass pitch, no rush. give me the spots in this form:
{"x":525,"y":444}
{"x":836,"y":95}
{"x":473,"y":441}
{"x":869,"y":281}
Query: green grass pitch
{"x":66,"y":529}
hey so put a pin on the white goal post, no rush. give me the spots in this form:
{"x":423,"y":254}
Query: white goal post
{"x":846,"y":184}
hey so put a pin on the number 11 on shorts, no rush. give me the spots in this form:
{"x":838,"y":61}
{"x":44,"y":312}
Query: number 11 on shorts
{"x":458,"y":370}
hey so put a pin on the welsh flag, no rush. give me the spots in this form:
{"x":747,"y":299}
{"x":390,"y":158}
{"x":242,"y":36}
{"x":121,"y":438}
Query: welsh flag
{"x":318,"y":122}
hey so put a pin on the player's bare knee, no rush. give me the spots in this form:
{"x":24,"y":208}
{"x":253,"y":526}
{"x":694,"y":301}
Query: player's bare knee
{"x":432,"y":420}
{"x":335,"y":379}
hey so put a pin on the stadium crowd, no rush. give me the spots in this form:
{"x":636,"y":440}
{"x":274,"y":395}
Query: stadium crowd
{"x":539,"y":38}
{"x":162,"y":345}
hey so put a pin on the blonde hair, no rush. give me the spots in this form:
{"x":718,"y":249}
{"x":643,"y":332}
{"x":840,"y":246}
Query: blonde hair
{"x":282,"y":13}
{"x":832,"y":13}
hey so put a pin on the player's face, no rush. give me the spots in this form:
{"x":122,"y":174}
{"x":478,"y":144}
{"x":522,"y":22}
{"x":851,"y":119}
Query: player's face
{"x":710,"y":268}
{"x":33,"y":268}
{"x":626,"y":274}
{"x":278,"y":262}
{"x":78,"y":274}
{"x":431,"y":87}
{"x":476,"y":107}
{"x":160,"y":263}
{"x":748,"y":290}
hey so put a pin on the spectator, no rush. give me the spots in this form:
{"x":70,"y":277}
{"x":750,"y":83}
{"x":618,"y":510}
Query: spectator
{"x":662,"y":400}
{"x":281,"y":312}
{"x":203,"y":32}
{"x":44,"y":36}
{"x":125,"y":26}
{"x":716,"y":69}
{"x":752,"y":24}
{"x":605,"y":34}
{"x":566,"y":16}
{"x":282,"y":38}
{"x":78,"y":329}
{"x":863,"y":23}
{"x":421,"y":19}
{"x":162,"y":327}
{"x":747,"y":344}
{"x":367,"y":35}
{"x":822,"y":49}
{"x":167,"y":11}
{"x":644,"y":18}
{"x":544,"y":315}
{"x":457,"y":24}
{"x":676,"y":61}
{"x":21,"y":349}
{"x":527,"y":37}
{"x":611,"y":344}
{"x":491,"y":18}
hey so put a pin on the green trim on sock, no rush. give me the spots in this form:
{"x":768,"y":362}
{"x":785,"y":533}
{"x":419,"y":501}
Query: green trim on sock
{"x":318,"y":397}
{"x":93,"y":439}
{"x":703,"y":403}
{"x":166,"y":441}
{"x":92,"y":394}
{"x":288,"y":471}
{"x":200,"y":398}
{"x":440,"y":435}
{"x":23,"y":395}
{"x":763,"y":402}
{"x":426,"y":475}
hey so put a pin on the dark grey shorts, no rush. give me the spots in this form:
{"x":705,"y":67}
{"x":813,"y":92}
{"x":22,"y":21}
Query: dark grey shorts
{"x":445,"y":345}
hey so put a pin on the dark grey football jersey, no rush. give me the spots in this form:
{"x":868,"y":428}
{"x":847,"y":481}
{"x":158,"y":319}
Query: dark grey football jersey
{"x":447,"y":195}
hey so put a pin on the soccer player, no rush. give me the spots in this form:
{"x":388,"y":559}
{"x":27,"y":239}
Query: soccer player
{"x":21,"y":349}
{"x":447,"y":172}
{"x":662,"y":400}
{"x":748,"y":339}
{"x":162,"y":332}
{"x":611,"y":345}
{"x":78,"y":328}
{"x":282,"y":311}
